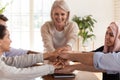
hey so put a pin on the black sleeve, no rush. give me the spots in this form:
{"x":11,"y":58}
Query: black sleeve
{"x":98,"y":49}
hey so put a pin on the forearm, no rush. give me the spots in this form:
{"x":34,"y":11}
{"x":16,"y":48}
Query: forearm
{"x":83,"y":67}
{"x":24,"y":60}
{"x":84,"y":58}
{"x":46,"y":38}
{"x":46,"y":55}
{"x":50,"y":56}
{"x":24,"y":73}
{"x":48,"y":44}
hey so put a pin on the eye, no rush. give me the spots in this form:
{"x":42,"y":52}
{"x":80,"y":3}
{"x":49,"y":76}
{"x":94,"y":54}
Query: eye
{"x":56,"y":14}
{"x":63,"y":14}
{"x":111,"y":34}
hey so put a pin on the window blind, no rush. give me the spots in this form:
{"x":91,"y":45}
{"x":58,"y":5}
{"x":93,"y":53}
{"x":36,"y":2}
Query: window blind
{"x":117,"y":10}
{"x":25,"y":20}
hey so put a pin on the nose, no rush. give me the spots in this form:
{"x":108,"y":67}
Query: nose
{"x":59,"y":16}
{"x":107,"y":36}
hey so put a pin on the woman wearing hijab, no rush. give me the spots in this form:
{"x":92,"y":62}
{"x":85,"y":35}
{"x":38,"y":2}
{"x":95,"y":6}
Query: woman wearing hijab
{"x":112,"y":44}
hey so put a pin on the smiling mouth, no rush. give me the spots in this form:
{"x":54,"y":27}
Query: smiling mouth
{"x":107,"y":42}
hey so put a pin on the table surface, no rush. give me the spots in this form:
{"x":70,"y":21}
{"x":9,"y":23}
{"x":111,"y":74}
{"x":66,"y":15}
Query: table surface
{"x":81,"y":75}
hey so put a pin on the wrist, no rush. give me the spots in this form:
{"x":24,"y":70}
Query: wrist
{"x":68,"y":47}
{"x":46,"y":55}
{"x":69,"y":56}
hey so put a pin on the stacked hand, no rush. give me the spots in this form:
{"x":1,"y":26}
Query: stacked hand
{"x":61,"y":63}
{"x":59,"y":58}
{"x":66,"y":69}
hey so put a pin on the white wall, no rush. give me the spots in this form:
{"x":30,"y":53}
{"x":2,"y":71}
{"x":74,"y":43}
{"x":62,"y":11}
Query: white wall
{"x":102,"y":11}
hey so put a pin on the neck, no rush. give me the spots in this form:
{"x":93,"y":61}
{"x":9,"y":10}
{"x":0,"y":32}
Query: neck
{"x":59,"y":27}
{"x":110,"y":49}
{"x":1,"y":52}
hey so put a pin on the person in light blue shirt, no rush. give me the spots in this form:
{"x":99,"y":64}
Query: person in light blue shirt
{"x":92,"y":61}
{"x":18,"y":52}
{"x":15,"y":52}
{"x":109,"y":62}
{"x":112,"y":44}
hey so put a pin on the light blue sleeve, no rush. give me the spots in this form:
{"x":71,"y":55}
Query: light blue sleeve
{"x":109,"y":62}
{"x":15,"y":52}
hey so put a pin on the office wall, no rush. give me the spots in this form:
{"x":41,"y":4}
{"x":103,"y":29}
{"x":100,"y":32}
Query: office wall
{"x":102,"y":11}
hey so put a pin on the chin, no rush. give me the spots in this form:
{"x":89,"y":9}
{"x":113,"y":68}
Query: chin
{"x":8,"y":49}
{"x":109,"y":45}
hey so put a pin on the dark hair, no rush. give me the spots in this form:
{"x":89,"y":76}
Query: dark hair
{"x":2,"y":31}
{"x":4,"y":18}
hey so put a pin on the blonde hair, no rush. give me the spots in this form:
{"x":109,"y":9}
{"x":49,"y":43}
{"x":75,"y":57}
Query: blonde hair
{"x":61,"y":4}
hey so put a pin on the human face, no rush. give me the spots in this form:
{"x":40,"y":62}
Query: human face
{"x":59,"y":16}
{"x":2,"y":22}
{"x":109,"y":37}
{"x":5,"y":42}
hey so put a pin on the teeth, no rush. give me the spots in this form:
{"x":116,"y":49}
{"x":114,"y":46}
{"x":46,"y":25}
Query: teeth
{"x":58,"y":20}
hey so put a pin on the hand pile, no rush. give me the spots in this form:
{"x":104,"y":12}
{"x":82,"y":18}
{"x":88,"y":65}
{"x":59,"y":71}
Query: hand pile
{"x":59,"y":63}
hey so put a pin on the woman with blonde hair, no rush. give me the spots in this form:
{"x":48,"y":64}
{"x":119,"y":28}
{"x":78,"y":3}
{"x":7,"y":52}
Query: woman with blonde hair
{"x":59,"y":33}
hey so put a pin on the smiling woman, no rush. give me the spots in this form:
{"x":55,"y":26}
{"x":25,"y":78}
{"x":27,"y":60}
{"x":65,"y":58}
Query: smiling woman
{"x":59,"y":33}
{"x":111,"y":44}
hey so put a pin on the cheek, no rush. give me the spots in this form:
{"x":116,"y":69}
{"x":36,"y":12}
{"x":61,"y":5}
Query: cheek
{"x":112,"y":40}
{"x":7,"y":46}
{"x":66,"y":16}
{"x":7,"y":42}
{"x":54,"y":17}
